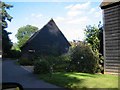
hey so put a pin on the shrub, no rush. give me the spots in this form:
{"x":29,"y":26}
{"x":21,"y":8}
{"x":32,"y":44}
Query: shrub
{"x":58,"y":63}
{"x":61,"y":63}
{"x":25,"y":61}
{"x":41,"y":67}
{"x":15,"y":54}
{"x":83,"y":59}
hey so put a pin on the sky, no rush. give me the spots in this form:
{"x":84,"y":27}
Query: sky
{"x":70,"y":17}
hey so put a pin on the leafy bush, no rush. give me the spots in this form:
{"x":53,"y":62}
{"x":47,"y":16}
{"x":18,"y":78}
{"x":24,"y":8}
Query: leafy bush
{"x":15,"y":54}
{"x":83,"y":59}
{"x":41,"y":67}
{"x":61,"y":63}
{"x":57,"y":63}
{"x":25,"y":61}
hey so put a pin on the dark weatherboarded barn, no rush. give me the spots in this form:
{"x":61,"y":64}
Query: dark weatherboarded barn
{"x":47,"y":41}
{"x":111,"y":12}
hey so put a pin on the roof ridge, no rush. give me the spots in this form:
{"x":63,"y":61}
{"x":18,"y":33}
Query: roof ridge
{"x":36,"y":33}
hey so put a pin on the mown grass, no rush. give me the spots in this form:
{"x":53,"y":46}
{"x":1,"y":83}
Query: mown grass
{"x":81,"y":80}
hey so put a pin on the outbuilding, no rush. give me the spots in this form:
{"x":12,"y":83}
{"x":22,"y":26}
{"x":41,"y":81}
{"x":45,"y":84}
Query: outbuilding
{"x":47,"y":41}
{"x":111,"y":17}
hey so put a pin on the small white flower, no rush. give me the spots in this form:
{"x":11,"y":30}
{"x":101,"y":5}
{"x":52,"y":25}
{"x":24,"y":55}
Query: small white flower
{"x":82,"y":57}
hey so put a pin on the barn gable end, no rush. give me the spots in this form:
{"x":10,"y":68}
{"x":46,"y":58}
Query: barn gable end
{"x":49,"y":40}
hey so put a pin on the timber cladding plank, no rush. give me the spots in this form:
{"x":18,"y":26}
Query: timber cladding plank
{"x":112,"y":35}
{"x":112,"y":58}
{"x":114,"y":48}
{"x":112,"y":55}
{"x":112,"y":39}
{"x":109,"y":19}
{"x":112,"y":30}
{"x":112,"y":12}
{"x":112,"y":51}
{"x":113,"y":64}
{"x":115,"y":24}
{"x":111,"y":25}
{"x":112,"y":8}
{"x":112,"y":70}
{"x":109,"y":16}
{"x":112,"y":67}
{"x":112,"y":45}
{"x":112,"y":61}
{"x":112,"y":22}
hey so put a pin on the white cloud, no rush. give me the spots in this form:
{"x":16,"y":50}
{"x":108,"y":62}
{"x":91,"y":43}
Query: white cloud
{"x":69,"y":6}
{"x":98,"y":13}
{"x":92,"y":10}
{"x":82,"y":20}
{"x":78,"y":6}
{"x":26,"y":18}
{"x":59,"y":19}
{"x":33,"y":16}
{"x":77,"y":9}
{"x":73,"y":13}
{"x":38,"y":15}
{"x":76,"y":18}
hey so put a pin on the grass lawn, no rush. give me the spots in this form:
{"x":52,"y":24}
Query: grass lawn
{"x":81,"y":80}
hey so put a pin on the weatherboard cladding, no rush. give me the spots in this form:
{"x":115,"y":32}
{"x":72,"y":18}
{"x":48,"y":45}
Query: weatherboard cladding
{"x":48,"y":40}
{"x":112,"y":37}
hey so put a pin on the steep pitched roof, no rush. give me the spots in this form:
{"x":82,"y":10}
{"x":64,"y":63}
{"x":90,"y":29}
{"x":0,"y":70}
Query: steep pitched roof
{"x":50,"y":27}
{"x":107,"y":3}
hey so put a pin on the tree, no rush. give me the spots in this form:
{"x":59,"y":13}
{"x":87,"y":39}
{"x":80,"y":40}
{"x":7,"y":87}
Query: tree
{"x":15,"y":47}
{"x":24,"y":33}
{"x":94,"y":37}
{"x":4,"y":15}
{"x":6,"y":42}
{"x":92,"y":34}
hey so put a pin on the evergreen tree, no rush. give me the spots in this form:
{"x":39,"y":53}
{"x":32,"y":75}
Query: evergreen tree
{"x":6,"y":42}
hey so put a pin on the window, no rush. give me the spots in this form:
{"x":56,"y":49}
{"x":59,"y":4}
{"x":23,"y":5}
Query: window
{"x":31,"y":50}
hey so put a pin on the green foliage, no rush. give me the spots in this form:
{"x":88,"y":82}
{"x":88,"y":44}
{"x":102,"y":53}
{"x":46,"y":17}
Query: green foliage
{"x":92,"y":34}
{"x":94,"y":38}
{"x":15,"y":54}
{"x":83,"y":59}
{"x":6,"y":42}
{"x":4,"y":15}
{"x":41,"y":67}
{"x":25,"y":61}
{"x":15,"y":47}
{"x":57,"y":63}
{"x":24,"y":33}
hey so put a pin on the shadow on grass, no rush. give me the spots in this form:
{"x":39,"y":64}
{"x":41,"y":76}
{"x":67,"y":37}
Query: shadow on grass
{"x":74,"y":81}
{"x":61,"y":79}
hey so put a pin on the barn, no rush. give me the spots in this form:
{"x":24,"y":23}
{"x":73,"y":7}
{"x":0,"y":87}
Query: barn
{"x":49,"y":40}
{"x":111,"y":17}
